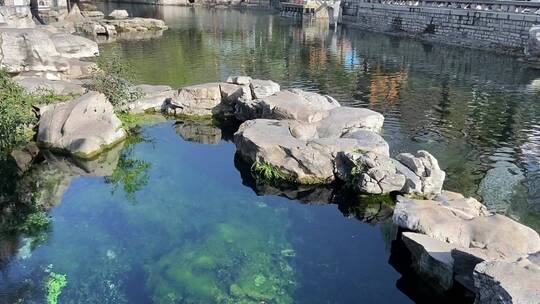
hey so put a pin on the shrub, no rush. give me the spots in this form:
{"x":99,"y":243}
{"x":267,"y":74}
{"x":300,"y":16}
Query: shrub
{"x":17,"y":116}
{"x":114,"y":79}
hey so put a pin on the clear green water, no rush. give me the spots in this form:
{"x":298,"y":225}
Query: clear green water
{"x":174,"y":223}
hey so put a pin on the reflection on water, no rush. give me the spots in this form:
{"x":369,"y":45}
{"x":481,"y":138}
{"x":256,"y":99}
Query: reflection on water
{"x":173,"y":222}
{"x":471,"y":109}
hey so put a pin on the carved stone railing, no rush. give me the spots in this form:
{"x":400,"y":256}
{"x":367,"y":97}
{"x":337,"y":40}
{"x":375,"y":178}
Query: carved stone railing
{"x":516,"y":7}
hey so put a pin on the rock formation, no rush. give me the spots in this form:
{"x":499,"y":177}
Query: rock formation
{"x":83,"y":127}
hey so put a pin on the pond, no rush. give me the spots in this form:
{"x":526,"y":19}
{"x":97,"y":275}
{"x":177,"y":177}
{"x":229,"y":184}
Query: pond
{"x":477,"y":112}
{"x":172,"y":216}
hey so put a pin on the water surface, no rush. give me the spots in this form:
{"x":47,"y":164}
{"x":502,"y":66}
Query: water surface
{"x":473,"y":110}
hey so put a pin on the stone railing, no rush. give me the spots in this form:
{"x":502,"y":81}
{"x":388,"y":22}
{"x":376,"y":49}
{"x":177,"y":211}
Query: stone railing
{"x":519,"y":7}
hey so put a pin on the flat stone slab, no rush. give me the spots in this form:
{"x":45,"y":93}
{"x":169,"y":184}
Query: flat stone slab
{"x":432,"y":257}
{"x":508,"y":282}
{"x":493,"y":236}
{"x":59,"y":87}
{"x":155,"y":99}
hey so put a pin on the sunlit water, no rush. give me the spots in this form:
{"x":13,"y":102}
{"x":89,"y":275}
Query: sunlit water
{"x":473,"y":110}
{"x":178,"y":219}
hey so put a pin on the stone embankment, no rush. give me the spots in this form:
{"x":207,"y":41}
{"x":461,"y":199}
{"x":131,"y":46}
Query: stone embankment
{"x":305,"y":138}
{"x":503,"y":26}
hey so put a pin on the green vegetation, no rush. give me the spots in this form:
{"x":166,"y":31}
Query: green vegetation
{"x":132,"y":120}
{"x":230,"y":264}
{"x":130,"y":173}
{"x":114,"y":79}
{"x":268,"y":173}
{"x":17,"y":114}
{"x":54,"y":285}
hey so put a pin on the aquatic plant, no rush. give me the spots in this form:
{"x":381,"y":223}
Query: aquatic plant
{"x":54,"y":285}
{"x":233,"y":263}
{"x":114,"y":79}
{"x":35,"y":223}
{"x":268,"y":173}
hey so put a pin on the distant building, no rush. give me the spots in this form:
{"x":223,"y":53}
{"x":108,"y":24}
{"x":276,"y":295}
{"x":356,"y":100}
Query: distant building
{"x":42,"y":3}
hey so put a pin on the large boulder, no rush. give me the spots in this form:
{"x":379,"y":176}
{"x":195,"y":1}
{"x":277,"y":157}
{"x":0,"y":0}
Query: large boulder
{"x":200,"y":100}
{"x":40,"y":51}
{"x":297,"y":105}
{"x":369,"y":172}
{"x":466,"y":223}
{"x":295,"y":148}
{"x":83,"y":127}
{"x":341,"y":121}
{"x":137,"y":25}
{"x":155,"y":98}
{"x":58,"y":87}
{"x":508,"y":282}
{"x":73,"y":46}
{"x":29,"y":50}
{"x":16,"y":17}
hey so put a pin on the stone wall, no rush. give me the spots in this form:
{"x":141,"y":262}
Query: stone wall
{"x":493,"y":30}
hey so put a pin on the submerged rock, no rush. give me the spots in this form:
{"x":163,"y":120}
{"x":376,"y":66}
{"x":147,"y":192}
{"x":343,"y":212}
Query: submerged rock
{"x":83,"y":127}
{"x":499,"y":185}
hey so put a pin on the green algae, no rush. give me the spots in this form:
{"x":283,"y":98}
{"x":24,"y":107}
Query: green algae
{"x":54,"y":285}
{"x":230,"y":265}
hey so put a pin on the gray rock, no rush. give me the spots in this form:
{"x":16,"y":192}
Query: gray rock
{"x":294,"y":106}
{"x":431,"y":257}
{"x":29,"y":50}
{"x":263,"y":88}
{"x":426,"y":167}
{"x":231,"y":94}
{"x":508,"y":282}
{"x":119,"y":14}
{"x":199,"y":99}
{"x":83,"y":127}
{"x":494,"y":236}
{"x":24,"y":157}
{"x":38,"y":50}
{"x":73,"y":46}
{"x":241,"y":80}
{"x":532,"y":49}
{"x":295,"y":149}
{"x":499,"y":185}
{"x":16,"y":17}
{"x":59,"y":87}
{"x":341,"y":121}
{"x":369,"y":172}
{"x":155,"y":99}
